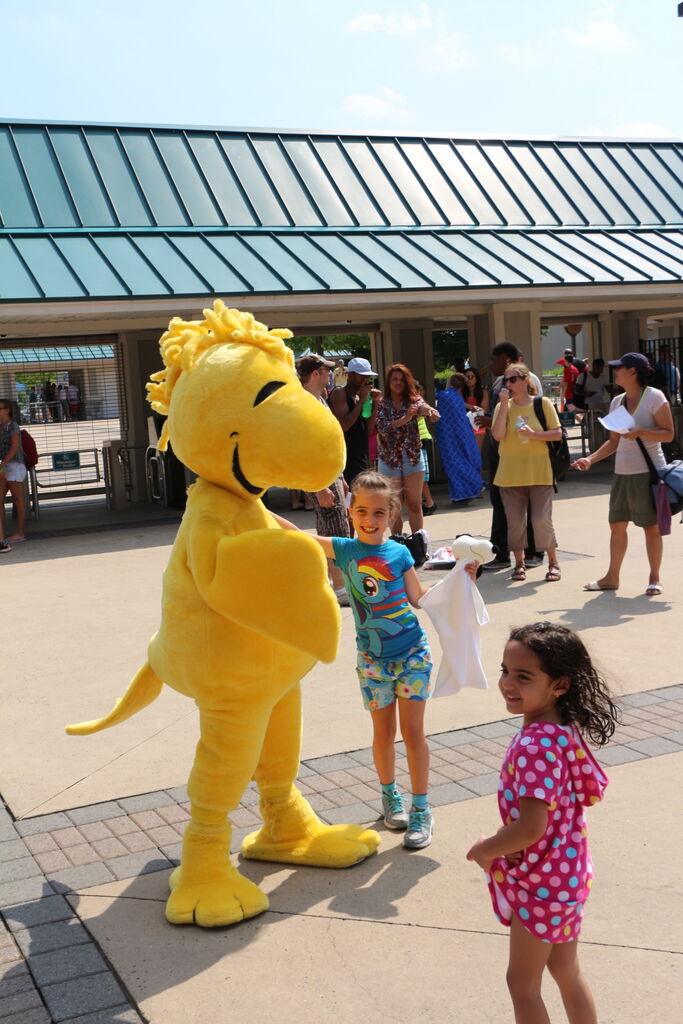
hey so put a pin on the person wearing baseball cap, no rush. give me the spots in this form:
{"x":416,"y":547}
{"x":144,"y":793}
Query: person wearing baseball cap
{"x":361,"y":367}
{"x":306,"y":365}
{"x":347,"y":405}
{"x":630,"y":498}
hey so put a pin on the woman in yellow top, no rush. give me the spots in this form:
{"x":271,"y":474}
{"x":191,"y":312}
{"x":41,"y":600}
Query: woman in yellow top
{"x":525,"y":475}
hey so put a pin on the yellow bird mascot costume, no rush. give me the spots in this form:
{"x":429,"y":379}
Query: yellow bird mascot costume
{"x":246,"y":609}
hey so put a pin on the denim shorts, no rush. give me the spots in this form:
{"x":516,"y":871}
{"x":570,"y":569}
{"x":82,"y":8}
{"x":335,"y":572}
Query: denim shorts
{"x":15,"y":472}
{"x":405,"y":469}
{"x":382,"y":680}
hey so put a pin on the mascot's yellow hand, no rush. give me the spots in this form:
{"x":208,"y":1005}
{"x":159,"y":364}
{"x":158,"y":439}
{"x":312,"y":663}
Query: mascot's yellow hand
{"x":271,"y":581}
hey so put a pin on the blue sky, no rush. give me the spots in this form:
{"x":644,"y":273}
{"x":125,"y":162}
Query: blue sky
{"x":467,"y":67}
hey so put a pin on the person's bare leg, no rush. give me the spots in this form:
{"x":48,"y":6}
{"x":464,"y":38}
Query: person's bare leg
{"x":335,"y":573}
{"x":412,"y":489}
{"x":383,"y":738}
{"x":528,"y":958}
{"x":654,"y":546}
{"x":618,"y":544}
{"x":577,"y":997}
{"x":4,"y":487}
{"x":17,"y":492}
{"x":411,"y":715}
{"x":396,"y":524}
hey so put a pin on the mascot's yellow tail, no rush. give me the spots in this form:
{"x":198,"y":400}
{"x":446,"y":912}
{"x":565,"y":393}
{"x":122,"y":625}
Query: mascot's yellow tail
{"x":145,"y":687}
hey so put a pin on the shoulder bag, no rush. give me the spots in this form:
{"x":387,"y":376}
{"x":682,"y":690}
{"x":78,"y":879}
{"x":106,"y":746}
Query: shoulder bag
{"x":558,"y":450}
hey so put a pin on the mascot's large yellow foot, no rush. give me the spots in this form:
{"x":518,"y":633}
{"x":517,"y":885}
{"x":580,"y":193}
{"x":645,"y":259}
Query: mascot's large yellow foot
{"x":214,"y":902}
{"x":293,"y":834}
{"x":206,"y":889}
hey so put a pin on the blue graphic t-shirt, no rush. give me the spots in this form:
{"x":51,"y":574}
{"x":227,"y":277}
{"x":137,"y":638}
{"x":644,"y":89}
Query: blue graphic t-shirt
{"x":386,"y":625}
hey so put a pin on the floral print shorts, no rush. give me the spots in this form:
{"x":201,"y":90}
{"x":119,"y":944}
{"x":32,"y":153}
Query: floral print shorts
{"x":382,"y":680}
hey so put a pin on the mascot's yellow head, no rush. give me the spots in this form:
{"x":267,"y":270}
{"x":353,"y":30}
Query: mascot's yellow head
{"x":236,"y":412}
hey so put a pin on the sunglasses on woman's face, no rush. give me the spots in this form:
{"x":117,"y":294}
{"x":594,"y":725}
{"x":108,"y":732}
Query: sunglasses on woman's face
{"x":509,"y":380}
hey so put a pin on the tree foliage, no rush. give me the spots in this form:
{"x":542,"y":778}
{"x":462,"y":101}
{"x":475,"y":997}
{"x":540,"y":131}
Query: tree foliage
{"x":337,"y":345}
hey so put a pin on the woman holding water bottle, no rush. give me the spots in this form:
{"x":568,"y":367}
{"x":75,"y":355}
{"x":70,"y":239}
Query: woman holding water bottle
{"x":525,"y":475}
{"x":399,"y":448}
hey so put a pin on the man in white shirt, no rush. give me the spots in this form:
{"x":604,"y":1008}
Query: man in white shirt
{"x":596,"y":380}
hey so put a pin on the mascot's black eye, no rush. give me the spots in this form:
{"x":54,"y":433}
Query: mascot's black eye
{"x":267,"y":390}
{"x":370,"y":586}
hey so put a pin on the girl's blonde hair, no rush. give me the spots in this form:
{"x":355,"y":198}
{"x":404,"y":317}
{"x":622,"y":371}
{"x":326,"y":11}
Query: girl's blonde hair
{"x":525,"y":373}
{"x":369,"y":480}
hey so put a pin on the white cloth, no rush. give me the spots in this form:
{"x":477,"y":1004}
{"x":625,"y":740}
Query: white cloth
{"x":629,"y":458}
{"x":457,"y":610}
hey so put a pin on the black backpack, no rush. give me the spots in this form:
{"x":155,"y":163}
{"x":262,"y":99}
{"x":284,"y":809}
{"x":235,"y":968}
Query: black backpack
{"x":558,"y":450}
{"x":416,"y":544}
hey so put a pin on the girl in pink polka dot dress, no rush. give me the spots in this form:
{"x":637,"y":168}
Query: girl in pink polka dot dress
{"x":537,"y":866}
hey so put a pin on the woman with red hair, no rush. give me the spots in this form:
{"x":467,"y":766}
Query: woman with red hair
{"x":399,"y":448}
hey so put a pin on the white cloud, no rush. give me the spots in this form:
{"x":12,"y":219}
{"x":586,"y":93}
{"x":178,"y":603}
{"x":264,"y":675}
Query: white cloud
{"x":601,"y":33}
{"x":385,"y":105}
{"x":449,"y":54}
{"x":393,"y":24}
{"x":518,"y":56}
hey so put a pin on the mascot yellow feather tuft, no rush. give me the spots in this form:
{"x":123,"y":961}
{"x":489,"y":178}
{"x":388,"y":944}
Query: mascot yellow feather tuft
{"x":246,"y":607}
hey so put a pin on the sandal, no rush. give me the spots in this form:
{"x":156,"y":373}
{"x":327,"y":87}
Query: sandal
{"x":651,"y":591}
{"x":518,"y":573}
{"x":553,"y":574}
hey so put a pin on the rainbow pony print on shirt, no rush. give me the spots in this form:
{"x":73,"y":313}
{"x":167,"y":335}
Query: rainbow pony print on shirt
{"x":379,"y":601}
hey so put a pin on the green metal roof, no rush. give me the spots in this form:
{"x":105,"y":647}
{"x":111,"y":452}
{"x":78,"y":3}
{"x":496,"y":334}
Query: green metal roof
{"x":107,"y":211}
{"x":127,"y":264}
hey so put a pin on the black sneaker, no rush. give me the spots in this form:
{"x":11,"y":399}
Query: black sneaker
{"x":496,"y":563}
{"x":533,"y":562}
{"x":4,"y":547}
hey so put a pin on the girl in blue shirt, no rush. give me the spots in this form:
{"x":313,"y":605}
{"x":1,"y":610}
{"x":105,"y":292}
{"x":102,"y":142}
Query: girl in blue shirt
{"x":394,"y":660}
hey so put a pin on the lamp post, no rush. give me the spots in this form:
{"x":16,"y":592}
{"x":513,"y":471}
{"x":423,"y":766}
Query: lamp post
{"x":572,"y":330}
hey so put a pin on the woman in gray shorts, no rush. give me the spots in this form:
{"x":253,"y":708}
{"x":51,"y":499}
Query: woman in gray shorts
{"x":630,"y":498}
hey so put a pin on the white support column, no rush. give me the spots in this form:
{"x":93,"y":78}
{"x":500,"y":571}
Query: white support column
{"x":523,"y":329}
{"x":410,"y":342}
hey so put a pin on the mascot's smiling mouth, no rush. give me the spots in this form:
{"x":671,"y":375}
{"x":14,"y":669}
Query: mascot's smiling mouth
{"x":239,"y":475}
{"x":266,"y":391}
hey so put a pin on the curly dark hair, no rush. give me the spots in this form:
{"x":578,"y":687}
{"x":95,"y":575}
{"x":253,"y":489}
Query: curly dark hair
{"x":587,"y":703}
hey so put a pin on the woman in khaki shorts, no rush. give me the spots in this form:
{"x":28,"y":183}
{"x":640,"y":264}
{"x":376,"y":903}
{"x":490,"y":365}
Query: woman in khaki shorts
{"x":525,"y":474}
{"x":630,"y":498}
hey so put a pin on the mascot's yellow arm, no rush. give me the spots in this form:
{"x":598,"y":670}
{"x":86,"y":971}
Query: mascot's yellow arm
{"x":288,"y":610}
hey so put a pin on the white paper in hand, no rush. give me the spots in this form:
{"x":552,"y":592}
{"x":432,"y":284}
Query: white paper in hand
{"x":619,"y":420}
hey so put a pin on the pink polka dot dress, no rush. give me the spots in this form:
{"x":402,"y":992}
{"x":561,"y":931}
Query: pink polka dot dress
{"x":548,"y":888}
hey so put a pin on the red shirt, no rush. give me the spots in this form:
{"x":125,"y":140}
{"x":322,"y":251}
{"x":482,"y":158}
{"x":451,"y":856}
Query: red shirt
{"x":569,"y":376}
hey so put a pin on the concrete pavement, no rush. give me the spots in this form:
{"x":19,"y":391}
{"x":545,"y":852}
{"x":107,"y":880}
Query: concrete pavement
{"x":93,"y":824}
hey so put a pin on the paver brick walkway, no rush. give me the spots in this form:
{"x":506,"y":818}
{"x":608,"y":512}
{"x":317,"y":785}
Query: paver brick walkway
{"x":50,"y":968}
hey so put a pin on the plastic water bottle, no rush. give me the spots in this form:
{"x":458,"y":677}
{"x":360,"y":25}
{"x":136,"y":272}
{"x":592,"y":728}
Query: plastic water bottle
{"x":520,"y":423}
{"x":366,"y":411}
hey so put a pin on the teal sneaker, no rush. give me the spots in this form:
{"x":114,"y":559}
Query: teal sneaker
{"x":394,"y":811}
{"x":420,"y":828}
